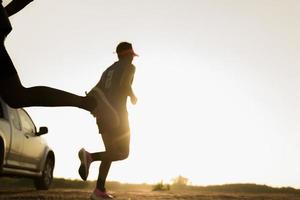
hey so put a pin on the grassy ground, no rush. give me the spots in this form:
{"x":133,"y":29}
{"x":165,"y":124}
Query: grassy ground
{"x":71,"y":194}
{"x":23,"y":189}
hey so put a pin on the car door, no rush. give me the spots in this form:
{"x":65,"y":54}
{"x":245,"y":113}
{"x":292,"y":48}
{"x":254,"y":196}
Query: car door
{"x":33,"y":148}
{"x":15,"y":148}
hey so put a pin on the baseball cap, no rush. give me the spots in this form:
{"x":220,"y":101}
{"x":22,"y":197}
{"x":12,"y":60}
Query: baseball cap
{"x":125,"y":48}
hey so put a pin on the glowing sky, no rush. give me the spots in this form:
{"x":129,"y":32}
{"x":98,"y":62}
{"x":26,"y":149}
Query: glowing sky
{"x":217,"y":81}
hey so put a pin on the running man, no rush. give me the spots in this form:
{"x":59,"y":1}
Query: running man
{"x":16,"y":95}
{"x":116,"y":84}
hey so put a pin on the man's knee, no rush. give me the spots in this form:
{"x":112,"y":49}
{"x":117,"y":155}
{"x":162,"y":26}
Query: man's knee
{"x":116,"y":156}
{"x":125,"y":155}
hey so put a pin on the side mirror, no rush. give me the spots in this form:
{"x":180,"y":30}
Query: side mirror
{"x":43,"y":130}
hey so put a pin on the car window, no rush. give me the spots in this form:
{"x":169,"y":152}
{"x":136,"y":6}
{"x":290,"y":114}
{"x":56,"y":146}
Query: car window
{"x":27,"y":124}
{"x":15,"y":120}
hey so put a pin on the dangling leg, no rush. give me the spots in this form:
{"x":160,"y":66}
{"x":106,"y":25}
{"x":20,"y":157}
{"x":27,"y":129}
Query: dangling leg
{"x":16,"y":95}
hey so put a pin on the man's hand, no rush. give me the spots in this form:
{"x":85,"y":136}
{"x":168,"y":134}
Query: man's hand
{"x":133,"y":99}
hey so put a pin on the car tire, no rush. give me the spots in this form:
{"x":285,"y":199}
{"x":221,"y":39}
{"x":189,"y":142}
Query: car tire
{"x":44,"y":182}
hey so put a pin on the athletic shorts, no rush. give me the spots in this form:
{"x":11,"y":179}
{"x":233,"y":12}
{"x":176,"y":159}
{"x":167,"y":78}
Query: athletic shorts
{"x":117,"y":140}
{"x":121,"y":129}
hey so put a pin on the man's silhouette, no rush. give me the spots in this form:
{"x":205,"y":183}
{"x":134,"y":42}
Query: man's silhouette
{"x":116,"y":83}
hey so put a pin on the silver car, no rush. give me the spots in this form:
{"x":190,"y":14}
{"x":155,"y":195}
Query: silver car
{"x":23,"y":152}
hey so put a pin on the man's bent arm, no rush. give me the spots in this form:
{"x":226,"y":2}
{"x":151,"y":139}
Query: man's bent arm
{"x":15,"y":6}
{"x":132,"y":96}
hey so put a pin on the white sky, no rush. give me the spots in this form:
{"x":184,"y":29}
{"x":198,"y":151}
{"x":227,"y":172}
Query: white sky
{"x":217,"y":81}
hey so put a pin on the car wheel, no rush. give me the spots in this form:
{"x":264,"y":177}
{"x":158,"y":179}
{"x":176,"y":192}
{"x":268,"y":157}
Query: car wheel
{"x":44,"y":182}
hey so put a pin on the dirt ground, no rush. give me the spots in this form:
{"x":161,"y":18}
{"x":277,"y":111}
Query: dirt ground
{"x":29,"y":194}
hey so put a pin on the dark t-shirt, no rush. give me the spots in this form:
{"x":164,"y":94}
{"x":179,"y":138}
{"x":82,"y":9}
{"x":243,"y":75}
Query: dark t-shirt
{"x":116,"y":82}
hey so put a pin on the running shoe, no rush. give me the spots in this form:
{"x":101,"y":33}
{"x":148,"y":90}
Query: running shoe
{"x":100,"y":195}
{"x":104,"y":111}
{"x":86,"y":160}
